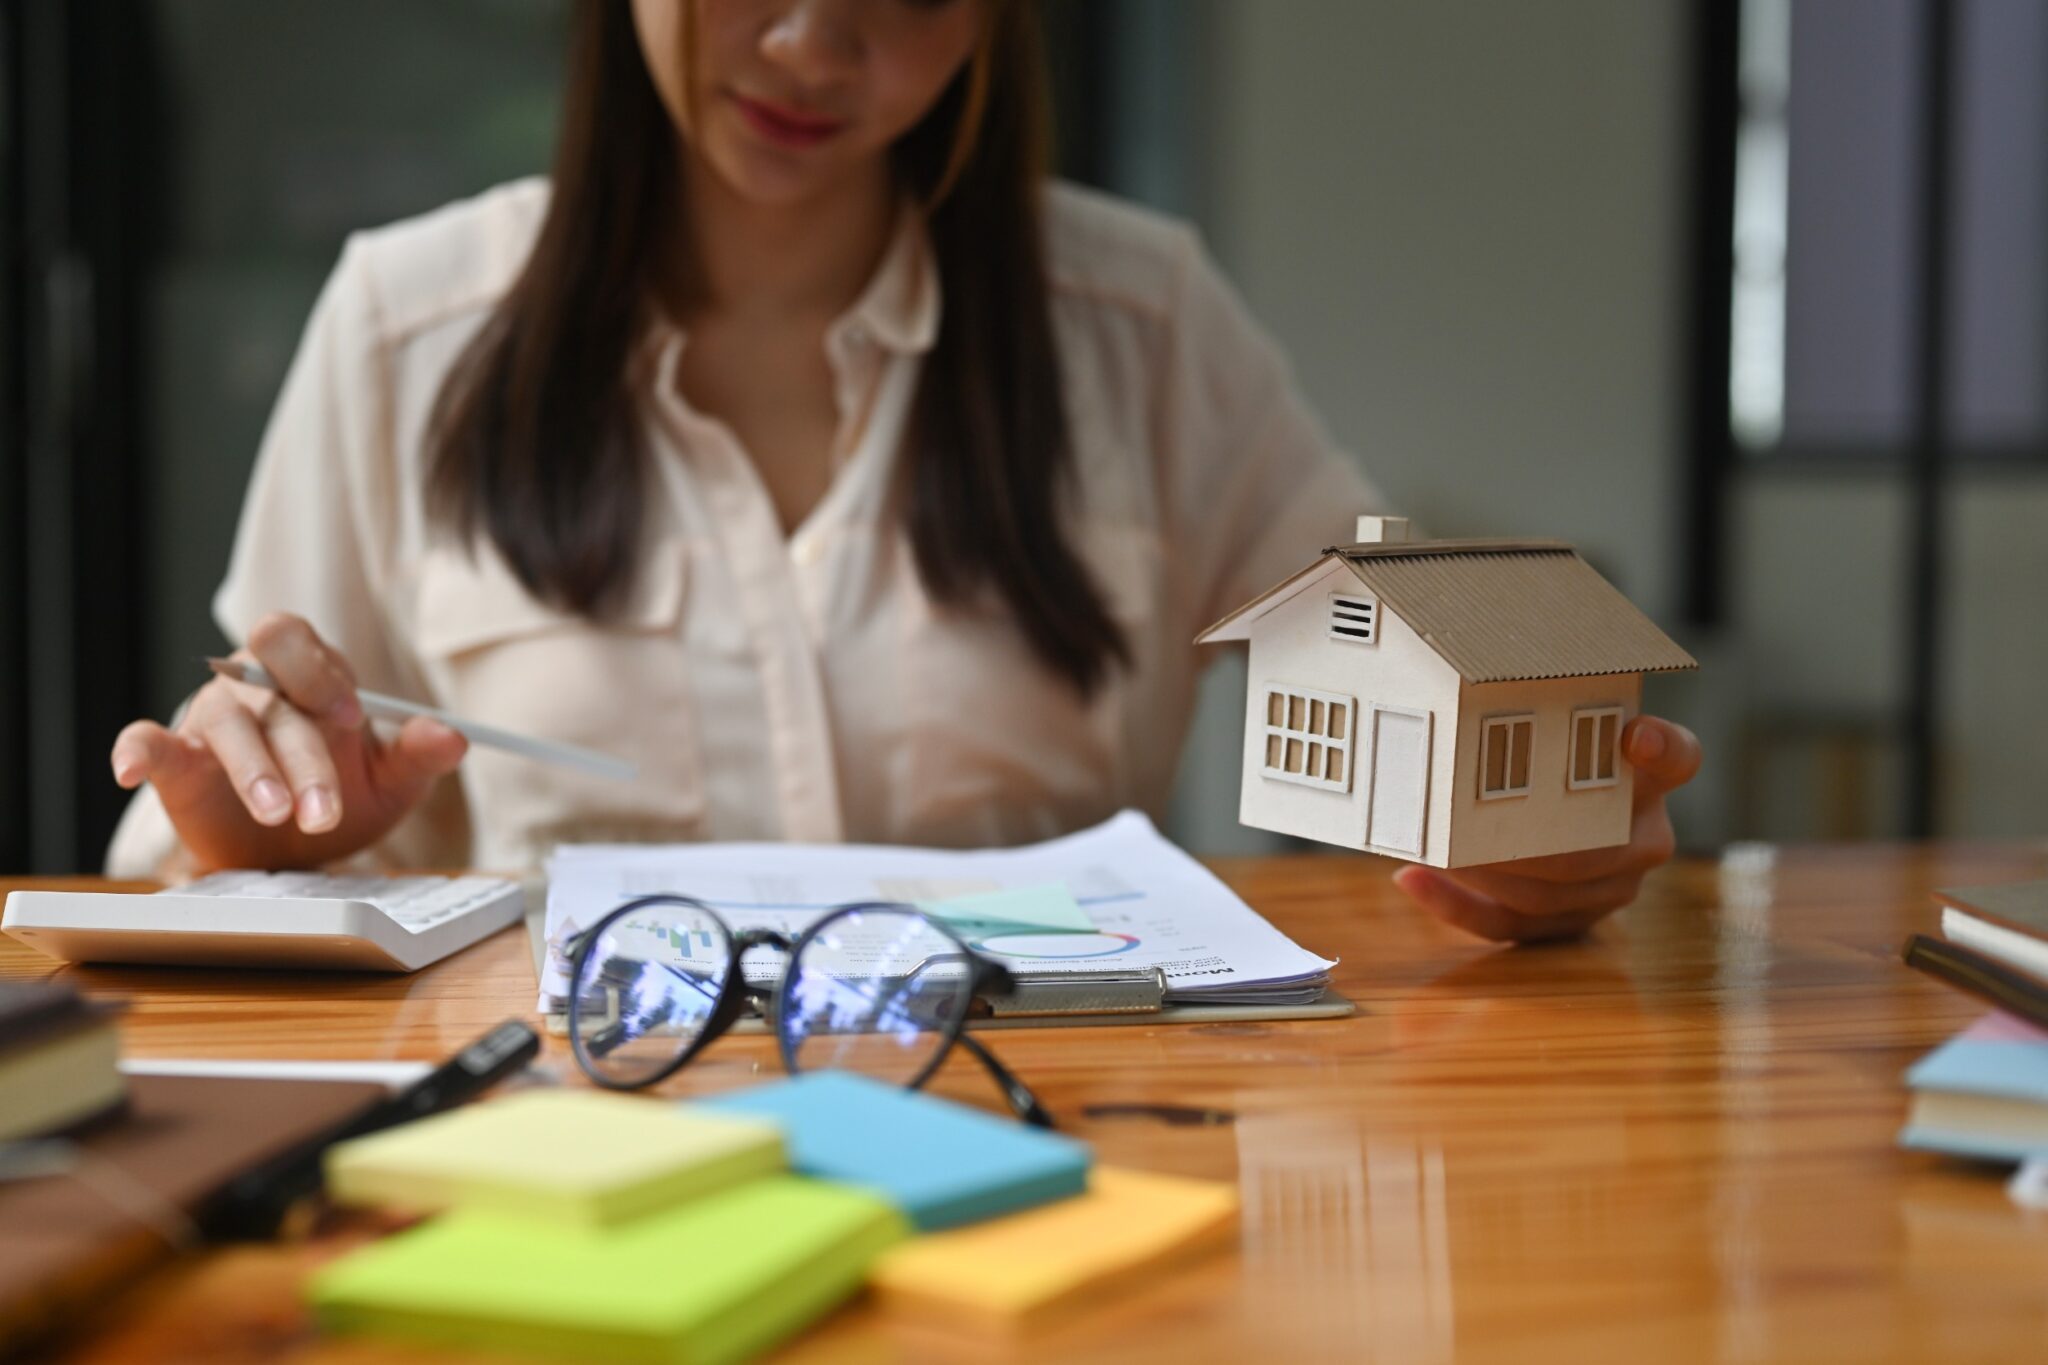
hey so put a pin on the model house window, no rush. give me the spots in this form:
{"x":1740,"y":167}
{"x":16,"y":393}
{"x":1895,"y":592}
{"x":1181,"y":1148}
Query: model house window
{"x":1354,"y":617}
{"x":1308,"y":738}
{"x":1504,"y":756}
{"x":1595,"y":731}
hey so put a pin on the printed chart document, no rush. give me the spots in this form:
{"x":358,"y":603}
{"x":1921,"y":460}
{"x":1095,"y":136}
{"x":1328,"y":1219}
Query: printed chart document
{"x":1145,"y":902}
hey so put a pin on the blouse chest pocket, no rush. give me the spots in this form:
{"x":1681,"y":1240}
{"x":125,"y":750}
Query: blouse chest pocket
{"x":496,"y":654}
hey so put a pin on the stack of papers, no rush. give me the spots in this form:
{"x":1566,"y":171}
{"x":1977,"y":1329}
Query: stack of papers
{"x":1145,"y":904}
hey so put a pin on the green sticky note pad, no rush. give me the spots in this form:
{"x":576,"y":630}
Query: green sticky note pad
{"x":1049,"y":909}
{"x":579,"y":1157}
{"x":720,"y":1279}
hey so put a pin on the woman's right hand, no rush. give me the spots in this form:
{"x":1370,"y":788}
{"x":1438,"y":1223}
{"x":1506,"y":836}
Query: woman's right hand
{"x":294,"y":778}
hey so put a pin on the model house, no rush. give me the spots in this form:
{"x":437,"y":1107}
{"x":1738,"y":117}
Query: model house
{"x":1450,"y":702}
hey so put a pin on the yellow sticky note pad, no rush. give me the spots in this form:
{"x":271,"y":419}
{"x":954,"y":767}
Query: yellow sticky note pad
{"x":571,"y":1156}
{"x":1012,"y":1274}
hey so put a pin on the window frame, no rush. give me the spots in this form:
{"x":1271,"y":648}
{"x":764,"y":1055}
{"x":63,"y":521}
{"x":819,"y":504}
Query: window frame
{"x":1594,"y":714}
{"x":1508,"y":722}
{"x":1346,"y":746}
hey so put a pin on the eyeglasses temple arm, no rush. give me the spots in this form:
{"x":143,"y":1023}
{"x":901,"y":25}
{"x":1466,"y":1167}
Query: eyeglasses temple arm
{"x":1023,"y":1103}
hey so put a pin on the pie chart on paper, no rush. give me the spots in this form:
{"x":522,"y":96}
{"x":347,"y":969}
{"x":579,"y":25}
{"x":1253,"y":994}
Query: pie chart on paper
{"x":1058,"y":947}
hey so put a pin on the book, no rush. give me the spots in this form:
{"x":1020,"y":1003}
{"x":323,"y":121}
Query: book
{"x":721,"y":1278}
{"x":1983,"y":1093}
{"x":942,"y":1164}
{"x":2008,"y":922}
{"x":59,"y":1060}
{"x":64,"y":1243}
{"x":1016,"y":1274}
{"x":571,"y":1156}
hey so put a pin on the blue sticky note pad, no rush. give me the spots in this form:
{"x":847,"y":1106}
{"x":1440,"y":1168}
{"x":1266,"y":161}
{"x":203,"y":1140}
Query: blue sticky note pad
{"x":941,"y":1163}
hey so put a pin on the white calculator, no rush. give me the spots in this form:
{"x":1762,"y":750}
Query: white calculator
{"x":270,"y":919}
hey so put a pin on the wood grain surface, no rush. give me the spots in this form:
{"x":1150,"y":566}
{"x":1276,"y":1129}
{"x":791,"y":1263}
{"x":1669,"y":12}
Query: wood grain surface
{"x":1672,"y":1141}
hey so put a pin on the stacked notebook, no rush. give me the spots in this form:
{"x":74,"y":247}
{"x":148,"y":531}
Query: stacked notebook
{"x":1984,"y":1093}
{"x":108,"y":1201}
{"x":592,"y":1226}
{"x":2009,"y":923}
{"x":59,"y":1060}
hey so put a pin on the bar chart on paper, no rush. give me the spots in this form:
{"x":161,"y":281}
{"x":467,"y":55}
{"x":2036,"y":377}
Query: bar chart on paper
{"x":1141,"y":902}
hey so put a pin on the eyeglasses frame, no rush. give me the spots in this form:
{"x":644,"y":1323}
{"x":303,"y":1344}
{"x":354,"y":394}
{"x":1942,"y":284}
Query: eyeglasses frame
{"x":984,"y":974}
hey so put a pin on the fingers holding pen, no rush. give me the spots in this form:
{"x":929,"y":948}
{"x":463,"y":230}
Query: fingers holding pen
{"x":310,"y":674}
{"x":301,"y":751}
{"x":315,"y":698}
{"x":228,"y":728}
{"x":288,"y":771}
{"x":275,"y":762}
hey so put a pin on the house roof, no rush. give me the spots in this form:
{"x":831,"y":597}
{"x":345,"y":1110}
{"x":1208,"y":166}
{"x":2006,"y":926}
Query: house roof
{"x":1496,"y":610}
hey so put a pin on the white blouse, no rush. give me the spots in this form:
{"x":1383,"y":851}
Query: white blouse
{"x":800,"y":687}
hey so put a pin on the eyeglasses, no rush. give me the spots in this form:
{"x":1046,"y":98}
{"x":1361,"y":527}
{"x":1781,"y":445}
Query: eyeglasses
{"x":876,"y":988}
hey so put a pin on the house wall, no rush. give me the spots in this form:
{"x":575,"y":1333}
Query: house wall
{"x":1290,"y":646}
{"x":1551,"y":818}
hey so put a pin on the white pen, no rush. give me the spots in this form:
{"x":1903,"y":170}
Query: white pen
{"x":393,"y":708}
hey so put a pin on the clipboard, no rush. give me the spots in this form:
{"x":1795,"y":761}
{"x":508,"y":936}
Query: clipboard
{"x":1052,"y":1000}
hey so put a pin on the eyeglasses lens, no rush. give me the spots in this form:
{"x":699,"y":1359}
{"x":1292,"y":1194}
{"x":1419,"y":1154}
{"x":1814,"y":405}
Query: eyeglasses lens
{"x":647,"y":989}
{"x":878,"y":992}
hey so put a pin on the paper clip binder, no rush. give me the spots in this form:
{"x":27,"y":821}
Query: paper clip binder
{"x":1139,"y":990}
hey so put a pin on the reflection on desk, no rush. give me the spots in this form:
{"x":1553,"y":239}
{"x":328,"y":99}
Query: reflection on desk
{"x":1670,"y":1142}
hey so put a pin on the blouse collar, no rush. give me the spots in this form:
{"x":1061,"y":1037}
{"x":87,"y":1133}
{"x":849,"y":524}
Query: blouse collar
{"x":898,"y":309}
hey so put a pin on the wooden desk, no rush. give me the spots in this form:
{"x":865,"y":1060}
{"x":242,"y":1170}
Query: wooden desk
{"x":1670,"y":1142}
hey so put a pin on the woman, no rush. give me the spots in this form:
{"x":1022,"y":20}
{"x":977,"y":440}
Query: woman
{"x":799,"y":441}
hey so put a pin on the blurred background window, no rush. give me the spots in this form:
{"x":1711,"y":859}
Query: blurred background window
{"x":180,"y":176}
{"x":1887,"y":399}
{"x":1829,"y":187}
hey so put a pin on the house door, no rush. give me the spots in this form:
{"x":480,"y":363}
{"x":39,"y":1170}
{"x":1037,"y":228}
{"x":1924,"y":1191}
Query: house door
{"x":1396,"y":810}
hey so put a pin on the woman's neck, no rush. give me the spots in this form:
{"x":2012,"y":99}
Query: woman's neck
{"x":811,"y":259}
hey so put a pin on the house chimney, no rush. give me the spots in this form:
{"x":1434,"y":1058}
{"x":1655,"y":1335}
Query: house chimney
{"x":1383,"y":530}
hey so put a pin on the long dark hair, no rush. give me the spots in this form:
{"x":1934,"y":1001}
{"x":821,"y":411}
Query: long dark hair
{"x":534,"y":438}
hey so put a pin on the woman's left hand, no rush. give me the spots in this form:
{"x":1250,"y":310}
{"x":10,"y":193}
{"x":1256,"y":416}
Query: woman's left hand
{"x":1568,"y":893}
